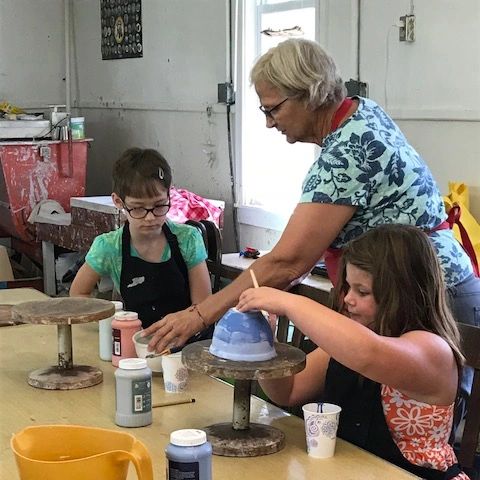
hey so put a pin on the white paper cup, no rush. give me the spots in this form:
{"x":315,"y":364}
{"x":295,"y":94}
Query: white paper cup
{"x":321,"y":423}
{"x":175,"y":374}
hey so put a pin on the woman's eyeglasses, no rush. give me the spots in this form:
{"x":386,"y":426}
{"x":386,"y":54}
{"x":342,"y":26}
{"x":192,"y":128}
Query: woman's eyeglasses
{"x":269,"y":111}
{"x":141,"y":212}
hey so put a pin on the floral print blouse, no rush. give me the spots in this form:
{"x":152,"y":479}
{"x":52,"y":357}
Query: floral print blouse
{"x":368,"y":163}
{"x":420,"y":430}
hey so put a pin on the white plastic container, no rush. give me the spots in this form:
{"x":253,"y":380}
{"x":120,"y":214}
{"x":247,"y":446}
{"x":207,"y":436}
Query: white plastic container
{"x":24,"y":128}
{"x":77,"y":126}
{"x":105,"y":334}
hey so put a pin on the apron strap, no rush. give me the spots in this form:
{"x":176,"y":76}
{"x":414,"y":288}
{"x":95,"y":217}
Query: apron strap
{"x":340,"y":113}
{"x":332,"y":260}
{"x":176,"y":253}
{"x":453,"y":218}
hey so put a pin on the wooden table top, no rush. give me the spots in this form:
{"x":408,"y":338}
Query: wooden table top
{"x":26,"y":347}
{"x":14,"y":296}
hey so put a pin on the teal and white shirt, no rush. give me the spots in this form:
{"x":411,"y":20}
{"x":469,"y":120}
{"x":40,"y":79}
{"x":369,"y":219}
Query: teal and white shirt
{"x":368,"y":163}
{"x":105,"y":254}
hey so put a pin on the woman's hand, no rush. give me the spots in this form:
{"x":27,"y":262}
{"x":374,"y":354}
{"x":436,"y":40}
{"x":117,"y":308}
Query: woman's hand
{"x":173,"y":330}
{"x":263,"y":298}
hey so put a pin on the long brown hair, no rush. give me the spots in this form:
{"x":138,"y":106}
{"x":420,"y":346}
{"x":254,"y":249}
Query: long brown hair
{"x":407,"y":282}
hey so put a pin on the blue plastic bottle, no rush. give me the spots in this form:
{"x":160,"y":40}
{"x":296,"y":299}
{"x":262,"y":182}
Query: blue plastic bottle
{"x":189,"y":455}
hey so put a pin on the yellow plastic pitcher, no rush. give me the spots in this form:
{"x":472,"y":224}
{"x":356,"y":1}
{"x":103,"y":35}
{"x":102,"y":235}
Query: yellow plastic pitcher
{"x":73,"y":452}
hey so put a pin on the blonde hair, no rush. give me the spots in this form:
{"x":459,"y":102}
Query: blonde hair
{"x":301,"y":69}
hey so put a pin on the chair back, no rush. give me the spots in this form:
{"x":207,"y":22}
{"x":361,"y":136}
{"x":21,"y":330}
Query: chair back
{"x":288,"y":333}
{"x":201,"y":228}
{"x":471,"y":350}
{"x":212,"y":238}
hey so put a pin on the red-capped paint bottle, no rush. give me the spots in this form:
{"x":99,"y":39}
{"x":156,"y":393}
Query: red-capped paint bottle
{"x":124,"y":326}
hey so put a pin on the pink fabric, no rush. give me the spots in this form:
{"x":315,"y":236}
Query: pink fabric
{"x":420,"y":430}
{"x":187,"y":205}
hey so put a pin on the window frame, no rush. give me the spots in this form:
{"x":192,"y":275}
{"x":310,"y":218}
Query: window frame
{"x":248,"y":27}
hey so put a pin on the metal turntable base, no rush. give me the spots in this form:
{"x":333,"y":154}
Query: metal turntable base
{"x":242,"y":438}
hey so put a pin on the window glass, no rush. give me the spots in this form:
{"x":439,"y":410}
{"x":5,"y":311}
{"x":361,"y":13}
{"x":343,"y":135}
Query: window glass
{"x":272,"y":169}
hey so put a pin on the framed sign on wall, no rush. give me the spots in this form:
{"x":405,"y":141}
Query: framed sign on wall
{"x":121,"y":29}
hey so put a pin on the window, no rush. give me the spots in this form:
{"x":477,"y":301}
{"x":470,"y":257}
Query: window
{"x":271,"y":170}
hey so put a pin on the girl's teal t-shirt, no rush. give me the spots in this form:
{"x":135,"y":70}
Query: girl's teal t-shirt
{"x":105,"y":254}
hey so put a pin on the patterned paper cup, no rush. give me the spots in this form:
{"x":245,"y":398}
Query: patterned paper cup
{"x":175,"y":374}
{"x":321,"y":423}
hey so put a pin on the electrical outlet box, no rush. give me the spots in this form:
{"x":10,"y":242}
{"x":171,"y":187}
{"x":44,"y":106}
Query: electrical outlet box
{"x":226,"y":93}
{"x":356,"y":87}
{"x":406,"y":32}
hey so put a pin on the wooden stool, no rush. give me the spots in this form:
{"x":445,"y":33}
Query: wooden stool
{"x":64,"y":312}
{"x":242,"y":438}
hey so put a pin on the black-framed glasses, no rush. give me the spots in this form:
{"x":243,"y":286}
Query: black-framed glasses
{"x":269,"y":111}
{"x":141,"y":212}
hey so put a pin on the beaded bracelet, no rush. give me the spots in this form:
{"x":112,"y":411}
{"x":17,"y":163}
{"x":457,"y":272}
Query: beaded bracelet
{"x":194,"y":308}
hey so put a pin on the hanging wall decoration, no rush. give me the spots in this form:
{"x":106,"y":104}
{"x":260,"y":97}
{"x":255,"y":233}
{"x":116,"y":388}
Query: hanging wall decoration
{"x":121,"y":29}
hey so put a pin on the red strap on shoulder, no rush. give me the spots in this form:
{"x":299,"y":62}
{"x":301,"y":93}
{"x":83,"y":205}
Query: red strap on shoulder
{"x":340,"y":113}
{"x":332,"y":261}
{"x":454,"y":219}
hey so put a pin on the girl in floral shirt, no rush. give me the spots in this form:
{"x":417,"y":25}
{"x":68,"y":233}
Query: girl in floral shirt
{"x":388,"y":354}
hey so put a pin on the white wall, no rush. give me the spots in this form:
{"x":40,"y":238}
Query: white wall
{"x":32,"y":52}
{"x":161,"y":100}
{"x":432,"y":84}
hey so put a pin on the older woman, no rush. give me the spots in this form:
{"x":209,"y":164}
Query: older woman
{"x":367,"y":174}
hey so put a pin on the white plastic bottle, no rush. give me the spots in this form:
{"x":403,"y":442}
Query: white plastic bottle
{"x":105,"y":334}
{"x":133,"y":393}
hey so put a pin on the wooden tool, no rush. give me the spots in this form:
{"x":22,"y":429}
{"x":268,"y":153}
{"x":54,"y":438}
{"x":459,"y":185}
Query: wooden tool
{"x":173,"y":402}
{"x":255,"y":284}
{"x":167,"y":351}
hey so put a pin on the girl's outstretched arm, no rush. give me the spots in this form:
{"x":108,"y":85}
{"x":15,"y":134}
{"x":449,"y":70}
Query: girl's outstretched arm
{"x":419,"y":364}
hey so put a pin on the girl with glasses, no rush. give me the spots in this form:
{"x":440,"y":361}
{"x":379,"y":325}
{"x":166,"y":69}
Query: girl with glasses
{"x":158,"y":266}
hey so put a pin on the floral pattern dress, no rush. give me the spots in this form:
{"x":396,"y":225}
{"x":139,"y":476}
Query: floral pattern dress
{"x":368,"y":163}
{"x":420,"y":430}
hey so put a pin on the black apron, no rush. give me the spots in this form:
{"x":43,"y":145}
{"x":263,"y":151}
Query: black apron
{"x":154,"y":290}
{"x":363,"y":423}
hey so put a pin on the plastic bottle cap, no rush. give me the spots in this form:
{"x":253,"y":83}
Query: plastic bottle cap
{"x":126,"y":316}
{"x":132,"y":363}
{"x":118,"y":305}
{"x":188,"y":437}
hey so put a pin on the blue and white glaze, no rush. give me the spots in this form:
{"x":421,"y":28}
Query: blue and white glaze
{"x":243,"y":337}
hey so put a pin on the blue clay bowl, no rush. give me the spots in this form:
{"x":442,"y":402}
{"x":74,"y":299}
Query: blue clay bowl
{"x":243,"y":337}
